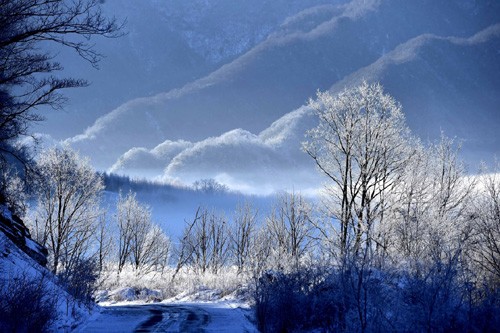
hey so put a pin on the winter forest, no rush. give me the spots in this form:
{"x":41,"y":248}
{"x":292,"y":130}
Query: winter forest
{"x":314,"y":166}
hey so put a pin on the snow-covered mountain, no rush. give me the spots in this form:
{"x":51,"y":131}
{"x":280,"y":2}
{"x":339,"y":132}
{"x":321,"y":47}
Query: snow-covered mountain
{"x":445,"y":84}
{"x":167,"y":44}
{"x":445,"y":96}
{"x":439,"y":58}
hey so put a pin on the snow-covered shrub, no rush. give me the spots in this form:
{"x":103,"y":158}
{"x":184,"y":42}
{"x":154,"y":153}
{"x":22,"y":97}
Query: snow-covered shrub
{"x":187,"y":284}
{"x":80,"y":281}
{"x":132,"y":294}
{"x":357,"y":298}
{"x":305,"y":299}
{"x":27,"y":304}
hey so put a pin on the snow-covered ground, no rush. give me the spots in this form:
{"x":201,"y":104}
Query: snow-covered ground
{"x":16,"y":266}
{"x":153,"y":302}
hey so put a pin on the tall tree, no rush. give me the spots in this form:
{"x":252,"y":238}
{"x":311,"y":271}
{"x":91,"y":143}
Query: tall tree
{"x":27,"y":79}
{"x":289,"y":228}
{"x":361,"y":145}
{"x":242,"y":232}
{"x":68,"y":191}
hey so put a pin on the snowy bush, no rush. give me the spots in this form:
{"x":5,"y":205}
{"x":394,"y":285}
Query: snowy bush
{"x":133,"y":294}
{"x":80,"y":281}
{"x":353,"y":298}
{"x":159,"y":285}
{"x":27,"y":304}
{"x":305,"y":299}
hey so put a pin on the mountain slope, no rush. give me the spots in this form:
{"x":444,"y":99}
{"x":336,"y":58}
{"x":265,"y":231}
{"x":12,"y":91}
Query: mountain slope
{"x":167,"y":44}
{"x":443,"y":83}
{"x":313,"y":50}
{"x":30,"y":294}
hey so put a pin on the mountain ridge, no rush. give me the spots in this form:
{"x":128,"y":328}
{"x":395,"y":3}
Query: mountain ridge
{"x":281,"y":140}
{"x":318,"y":48}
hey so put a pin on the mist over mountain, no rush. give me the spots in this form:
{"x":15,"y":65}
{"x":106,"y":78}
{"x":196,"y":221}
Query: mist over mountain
{"x":446,"y":97}
{"x":217,"y":82}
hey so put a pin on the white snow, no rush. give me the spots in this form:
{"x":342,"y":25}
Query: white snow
{"x":220,"y":316}
{"x":15,"y":263}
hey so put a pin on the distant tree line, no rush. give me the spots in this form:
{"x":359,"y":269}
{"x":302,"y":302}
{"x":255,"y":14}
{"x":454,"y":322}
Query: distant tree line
{"x":123,"y":183}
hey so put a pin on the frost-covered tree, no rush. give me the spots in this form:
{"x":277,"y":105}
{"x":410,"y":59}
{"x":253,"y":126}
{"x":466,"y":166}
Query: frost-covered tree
{"x":451,"y":194}
{"x":412,"y":199}
{"x":262,"y":255}
{"x":205,"y":243}
{"x":68,"y":191}
{"x":242,"y":232}
{"x":431,"y":202}
{"x":156,"y":250}
{"x":132,"y":220}
{"x":12,"y":189}
{"x":210,"y":186}
{"x":361,"y":145}
{"x":289,"y":228}
{"x":450,"y":187}
{"x":140,"y":241}
{"x":486,"y":218}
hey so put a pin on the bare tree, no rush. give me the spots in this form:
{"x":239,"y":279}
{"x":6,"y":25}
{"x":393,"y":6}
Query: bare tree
{"x":185,"y":249}
{"x":242,"y":232}
{"x":219,"y":238}
{"x":289,"y":227}
{"x":486,"y":217}
{"x":361,"y":145}
{"x":104,"y":239}
{"x":140,"y":241}
{"x":68,"y":191}
{"x":210,"y":241}
{"x":205,"y":243}
{"x":26,"y":71}
{"x":200,"y":241}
